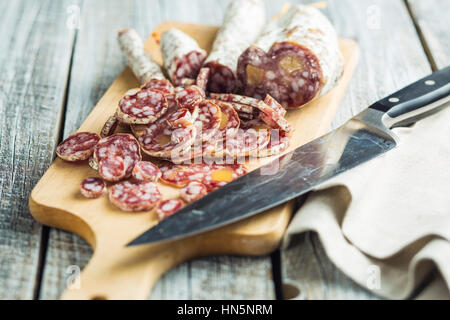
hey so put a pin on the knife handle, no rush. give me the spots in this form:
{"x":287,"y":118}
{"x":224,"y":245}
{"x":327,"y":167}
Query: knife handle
{"x":416,"y":100}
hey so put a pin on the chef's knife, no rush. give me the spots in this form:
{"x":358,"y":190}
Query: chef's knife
{"x":362,"y":138}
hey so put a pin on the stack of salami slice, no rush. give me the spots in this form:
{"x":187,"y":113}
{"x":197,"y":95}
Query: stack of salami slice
{"x":212,"y":109}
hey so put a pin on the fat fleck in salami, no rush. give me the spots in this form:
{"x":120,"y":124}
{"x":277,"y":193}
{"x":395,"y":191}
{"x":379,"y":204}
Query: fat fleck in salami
{"x":78,"y":146}
{"x":140,"y":62}
{"x":134,"y":196}
{"x":109,"y":150}
{"x":295,"y":60}
{"x":208,"y":120}
{"x":212,"y":176}
{"x":142,"y":107}
{"x":92,"y":187}
{"x":109,"y":127}
{"x":146,"y":171}
{"x":243,"y":22}
{"x":202,"y":79}
{"x":193,"y":191}
{"x":168,"y":207}
{"x":182,"y":55}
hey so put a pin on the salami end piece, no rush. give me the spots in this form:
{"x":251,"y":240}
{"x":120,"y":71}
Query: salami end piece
{"x":134,"y":196}
{"x":168,"y":207}
{"x":92,"y":187}
{"x":193,"y":191}
{"x":78,"y":146}
{"x":146,"y":171}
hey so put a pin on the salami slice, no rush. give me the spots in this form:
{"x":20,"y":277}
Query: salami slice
{"x":163,"y":85}
{"x":202,"y":79}
{"x":208,"y":120}
{"x":279,"y":142}
{"x":112,"y":168}
{"x":161,"y":140}
{"x":139,"y":60}
{"x":181,"y":54}
{"x":252,"y":137}
{"x":193,"y":191}
{"x":146,"y":171}
{"x":168,"y":207}
{"x":189,"y":97}
{"x":92,"y":187}
{"x":243,"y":21}
{"x":212,"y":176}
{"x":134,"y":196}
{"x":109,"y":127}
{"x":142,"y":107}
{"x":181,"y":118}
{"x":295,"y":60}
{"x":78,"y":146}
{"x":229,"y":120}
{"x":120,"y":145}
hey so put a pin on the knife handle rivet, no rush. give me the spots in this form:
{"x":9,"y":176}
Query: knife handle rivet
{"x":430,"y":82}
{"x":394,"y":100}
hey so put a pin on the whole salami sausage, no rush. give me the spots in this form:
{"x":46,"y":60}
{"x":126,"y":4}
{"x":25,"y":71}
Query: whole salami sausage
{"x":295,"y":60}
{"x":182,"y":55}
{"x":243,"y":22}
{"x":138,"y":59}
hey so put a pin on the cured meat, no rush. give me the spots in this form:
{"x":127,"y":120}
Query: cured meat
{"x":252,"y":137}
{"x":161,"y":140}
{"x":208,"y":120}
{"x":138,"y":59}
{"x":243,"y":22}
{"x":271,"y":113}
{"x":189,"y":97}
{"x":181,"y":118}
{"x":134,"y":195}
{"x":229,"y":120}
{"x":92,"y":187}
{"x":202,"y":79}
{"x":182,"y":55}
{"x":279,"y":142}
{"x":193,"y":191}
{"x":112,"y":168}
{"x":109,"y":127}
{"x":186,"y":82}
{"x":212,"y":176}
{"x":146,"y":171}
{"x":295,"y":60}
{"x":78,"y":146}
{"x":122,"y":146}
{"x":163,"y":85}
{"x":168,"y":207}
{"x":93,"y":164}
{"x":142,"y":106}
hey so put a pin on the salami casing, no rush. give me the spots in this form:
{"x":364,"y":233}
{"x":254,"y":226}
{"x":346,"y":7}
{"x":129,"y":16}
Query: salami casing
{"x":78,"y":146}
{"x":92,"y":187}
{"x":134,"y":195}
{"x":243,"y":22}
{"x":193,"y":191}
{"x":295,"y":60}
{"x":138,"y":59}
{"x":109,"y":127}
{"x":142,"y":106}
{"x":182,"y":55}
{"x":146,"y":171}
{"x":166,"y":208}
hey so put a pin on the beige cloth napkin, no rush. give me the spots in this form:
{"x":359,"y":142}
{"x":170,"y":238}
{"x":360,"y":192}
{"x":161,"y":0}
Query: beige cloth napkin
{"x":386,"y":224}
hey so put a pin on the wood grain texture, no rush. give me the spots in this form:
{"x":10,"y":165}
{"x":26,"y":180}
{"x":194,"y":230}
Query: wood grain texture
{"x":391,"y":57}
{"x":34,"y":64}
{"x":431,"y":18}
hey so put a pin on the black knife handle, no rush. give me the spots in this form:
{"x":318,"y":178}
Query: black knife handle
{"x":416,"y":98}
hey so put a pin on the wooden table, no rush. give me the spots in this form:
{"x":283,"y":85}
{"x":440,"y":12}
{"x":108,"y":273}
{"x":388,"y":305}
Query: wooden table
{"x":59,"y":57}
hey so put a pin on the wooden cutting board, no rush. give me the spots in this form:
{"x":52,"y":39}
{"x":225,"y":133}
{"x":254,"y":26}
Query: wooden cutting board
{"x":118,"y":272}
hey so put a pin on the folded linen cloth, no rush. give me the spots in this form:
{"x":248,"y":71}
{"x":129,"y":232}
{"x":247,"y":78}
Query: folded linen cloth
{"x":386,"y":223}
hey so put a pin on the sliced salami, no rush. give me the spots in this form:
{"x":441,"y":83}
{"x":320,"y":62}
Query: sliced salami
{"x":181,"y":118}
{"x":229,"y":120}
{"x":112,"y":168}
{"x":163,"y":85}
{"x":134,"y":195}
{"x":212,"y":176}
{"x":182,"y":55}
{"x":189,"y":97}
{"x":243,"y":21}
{"x":119,"y":145}
{"x":109,"y":127}
{"x":92,"y":187}
{"x":252,"y":137}
{"x":295,"y":60}
{"x":142,"y":107}
{"x":208,"y":120}
{"x":161,"y":140}
{"x":168,"y":207}
{"x":202,"y":79}
{"x":193,"y":191}
{"x":138,"y":59}
{"x":146,"y":171}
{"x":279,"y":142}
{"x":78,"y":146}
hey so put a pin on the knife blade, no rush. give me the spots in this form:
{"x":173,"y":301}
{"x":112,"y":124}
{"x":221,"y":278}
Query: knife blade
{"x":362,"y":138}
